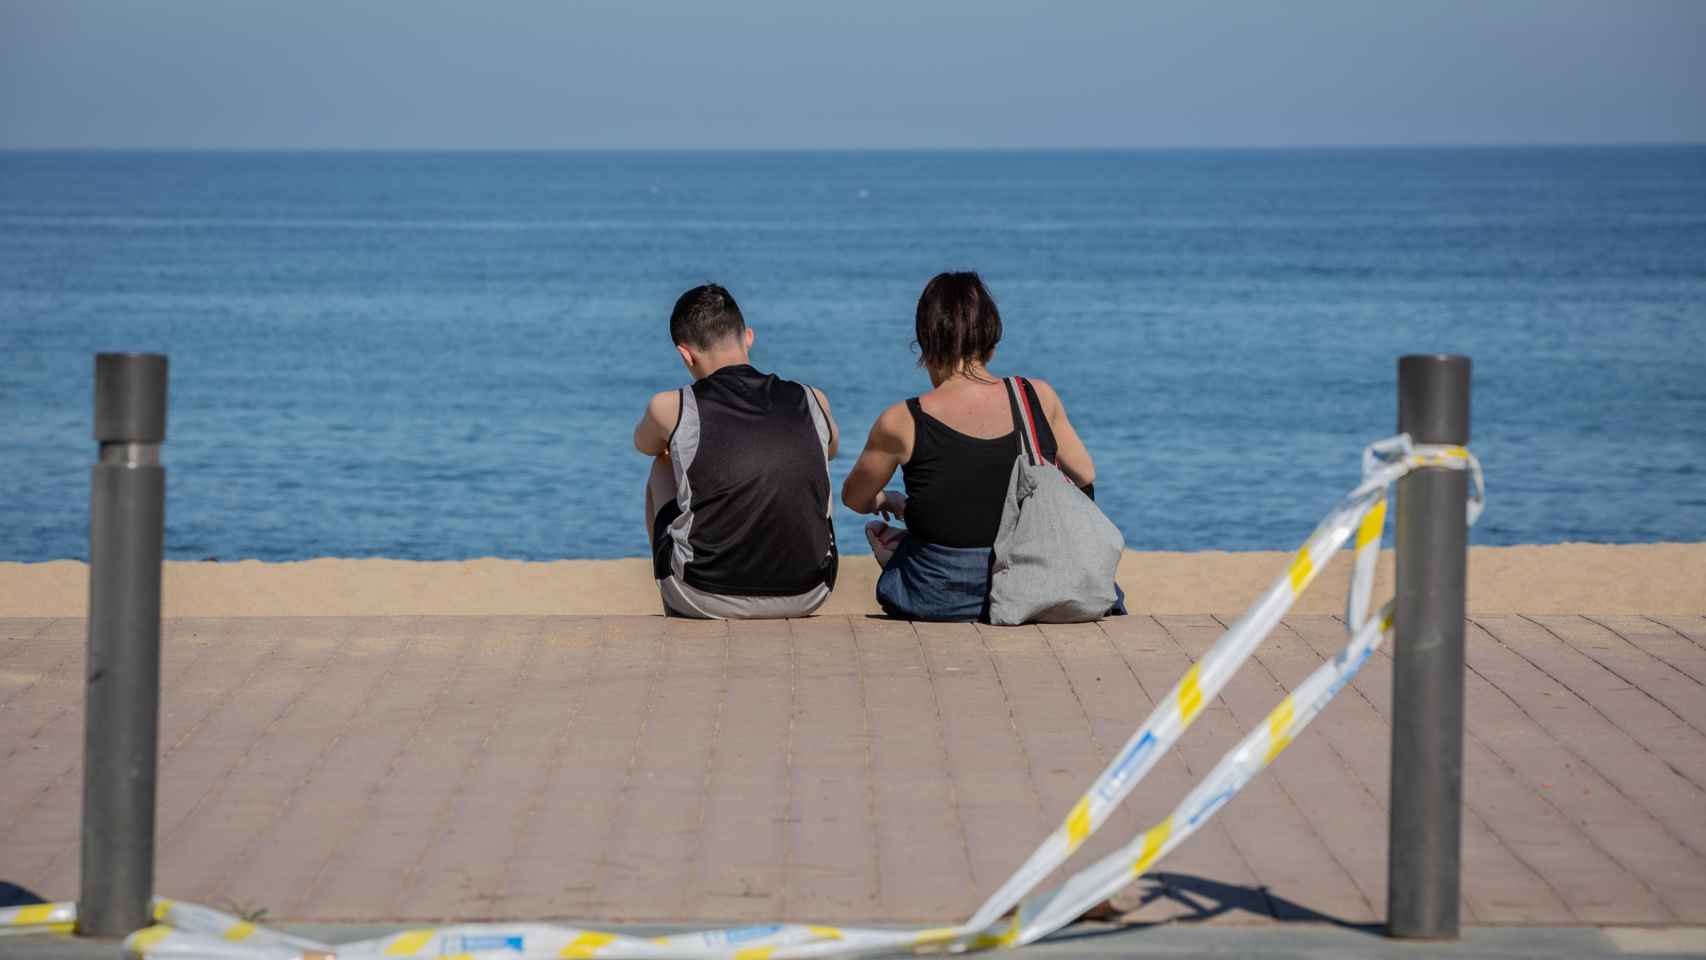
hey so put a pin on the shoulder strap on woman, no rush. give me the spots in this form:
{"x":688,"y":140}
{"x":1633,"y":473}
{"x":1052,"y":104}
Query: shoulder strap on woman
{"x":1024,"y":419}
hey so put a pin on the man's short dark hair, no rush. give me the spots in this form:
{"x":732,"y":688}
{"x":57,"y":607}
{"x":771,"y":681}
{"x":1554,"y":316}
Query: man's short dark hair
{"x":956,"y":322}
{"x":704,"y":317}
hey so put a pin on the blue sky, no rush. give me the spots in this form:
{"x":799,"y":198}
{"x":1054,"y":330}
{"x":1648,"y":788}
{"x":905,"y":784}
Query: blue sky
{"x":310,"y":74}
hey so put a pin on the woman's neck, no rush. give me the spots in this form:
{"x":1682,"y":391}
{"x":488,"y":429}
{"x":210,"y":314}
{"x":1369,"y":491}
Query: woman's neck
{"x":971,"y":371}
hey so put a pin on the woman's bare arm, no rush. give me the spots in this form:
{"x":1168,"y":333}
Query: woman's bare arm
{"x":1071,"y":455}
{"x":888,"y":446}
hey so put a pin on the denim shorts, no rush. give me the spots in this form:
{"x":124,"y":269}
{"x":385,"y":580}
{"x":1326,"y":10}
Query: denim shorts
{"x":926,"y":581}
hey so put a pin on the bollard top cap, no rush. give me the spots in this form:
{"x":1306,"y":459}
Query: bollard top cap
{"x":130,"y":397}
{"x":1433,"y":397}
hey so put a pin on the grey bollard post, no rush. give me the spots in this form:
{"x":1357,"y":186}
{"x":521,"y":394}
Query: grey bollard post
{"x":1424,"y":845}
{"x":127,"y":512}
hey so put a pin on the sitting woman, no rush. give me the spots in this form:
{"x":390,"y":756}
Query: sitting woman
{"x":955,"y":448}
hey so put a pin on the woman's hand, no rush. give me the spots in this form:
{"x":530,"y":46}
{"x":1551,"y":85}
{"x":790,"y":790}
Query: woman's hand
{"x":891,"y":505}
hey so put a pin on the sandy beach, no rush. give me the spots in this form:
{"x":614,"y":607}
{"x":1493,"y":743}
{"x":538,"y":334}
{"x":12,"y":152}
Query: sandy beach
{"x":1560,"y":578}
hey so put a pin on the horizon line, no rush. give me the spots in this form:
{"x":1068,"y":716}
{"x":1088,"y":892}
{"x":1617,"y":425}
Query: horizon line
{"x":1145,"y":148}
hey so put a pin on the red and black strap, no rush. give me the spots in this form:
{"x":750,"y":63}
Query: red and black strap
{"x":1019,"y":393}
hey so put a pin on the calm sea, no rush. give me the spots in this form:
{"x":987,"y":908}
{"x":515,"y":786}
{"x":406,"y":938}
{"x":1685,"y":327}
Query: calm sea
{"x":441,"y":356}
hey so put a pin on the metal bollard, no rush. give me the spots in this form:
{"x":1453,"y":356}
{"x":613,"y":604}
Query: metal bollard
{"x":127,"y":512}
{"x":1424,"y":845}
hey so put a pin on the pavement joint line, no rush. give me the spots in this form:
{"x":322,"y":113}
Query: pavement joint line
{"x":1291,"y":798}
{"x":1470,"y":807}
{"x":1673,"y":629}
{"x":19,"y":644}
{"x":1688,"y":638}
{"x":696,"y":858}
{"x":1232,"y":838}
{"x":1538,"y":789}
{"x":1601,"y":664}
{"x":616,"y":815}
{"x":1588,"y":764}
{"x":1013,"y":722}
{"x":241,"y":856}
{"x":171,"y":832}
{"x":338,"y":849}
{"x":1636,"y":646}
{"x":868,"y":752}
{"x":554,"y":759}
{"x":1598,"y":664}
{"x":77,"y":762}
{"x":1173,"y":756}
{"x":465,"y":772}
{"x":52,"y":671}
{"x":954,"y":775}
{"x":788,"y":815}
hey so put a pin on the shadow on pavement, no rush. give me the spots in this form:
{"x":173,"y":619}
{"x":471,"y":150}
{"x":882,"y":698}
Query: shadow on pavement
{"x":12,"y":895}
{"x":1207,"y":899}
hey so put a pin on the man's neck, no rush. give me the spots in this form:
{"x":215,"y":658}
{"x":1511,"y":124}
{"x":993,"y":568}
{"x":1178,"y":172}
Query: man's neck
{"x":709,"y":365}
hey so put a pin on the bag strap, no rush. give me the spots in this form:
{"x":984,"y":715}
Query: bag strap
{"x":1024,"y":419}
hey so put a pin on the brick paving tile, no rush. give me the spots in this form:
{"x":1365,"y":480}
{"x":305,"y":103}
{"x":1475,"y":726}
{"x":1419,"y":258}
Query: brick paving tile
{"x":1054,"y":728}
{"x":1196,"y":878}
{"x":405,"y":757}
{"x":844,"y":769}
{"x":995,"y":779}
{"x":289,"y":774}
{"x":1113,"y":704}
{"x":575,"y":849}
{"x":41,"y":749}
{"x":832,"y":862}
{"x":1283,"y":849}
{"x":519,"y":875}
{"x":1690,"y":628}
{"x":1341,"y":813}
{"x":656,"y":828}
{"x":20,"y":633}
{"x":1651,"y":806}
{"x":226,"y":772}
{"x":1661,"y":662}
{"x":738,"y":860}
{"x":924,"y":866}
{"x":455,"y":873}
{"x":1622,"y":689}
{"x":1512,"y":852}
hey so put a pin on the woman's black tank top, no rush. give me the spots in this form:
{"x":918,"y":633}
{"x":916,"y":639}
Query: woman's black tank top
{"x":956,"y":485}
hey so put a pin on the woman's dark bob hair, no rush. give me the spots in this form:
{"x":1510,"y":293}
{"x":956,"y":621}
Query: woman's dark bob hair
{"x":957,"y":322}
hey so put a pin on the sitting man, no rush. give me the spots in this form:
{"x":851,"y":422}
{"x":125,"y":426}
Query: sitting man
{"x":738,"y":501}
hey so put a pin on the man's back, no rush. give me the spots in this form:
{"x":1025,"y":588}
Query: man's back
{"x":750,"y":458}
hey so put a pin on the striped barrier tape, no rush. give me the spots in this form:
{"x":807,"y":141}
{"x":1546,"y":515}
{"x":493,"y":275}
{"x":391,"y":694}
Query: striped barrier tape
{"x":1006,"y":919}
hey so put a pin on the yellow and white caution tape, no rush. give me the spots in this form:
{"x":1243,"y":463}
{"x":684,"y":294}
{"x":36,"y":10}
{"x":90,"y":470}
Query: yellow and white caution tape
{"x":188,"y":931}
{"x":38,"y":918}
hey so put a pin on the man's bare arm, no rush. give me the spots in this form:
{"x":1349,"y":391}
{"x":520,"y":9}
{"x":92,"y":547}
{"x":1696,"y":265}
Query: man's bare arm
{"x":651,"y":434}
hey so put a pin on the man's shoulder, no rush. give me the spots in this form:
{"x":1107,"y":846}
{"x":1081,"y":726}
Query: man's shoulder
{"x":790,"y":385}
{"x":665,"y":407}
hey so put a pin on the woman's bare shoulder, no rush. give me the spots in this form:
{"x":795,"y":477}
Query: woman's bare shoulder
{"x":893,"y":429}
{"x":1051,"y":401}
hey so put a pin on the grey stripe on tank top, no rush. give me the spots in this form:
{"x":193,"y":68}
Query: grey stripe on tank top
{"x":685,"y":444}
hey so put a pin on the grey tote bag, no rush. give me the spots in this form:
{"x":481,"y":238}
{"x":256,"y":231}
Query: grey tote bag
{"x":1055,"y":552}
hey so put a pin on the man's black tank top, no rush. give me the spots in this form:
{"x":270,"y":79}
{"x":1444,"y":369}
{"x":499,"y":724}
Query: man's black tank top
{"x":956,"y":485}
{"x":750,"y":455}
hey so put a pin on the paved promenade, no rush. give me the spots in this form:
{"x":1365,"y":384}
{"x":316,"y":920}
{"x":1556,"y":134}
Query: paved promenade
{"x":843,"y":768}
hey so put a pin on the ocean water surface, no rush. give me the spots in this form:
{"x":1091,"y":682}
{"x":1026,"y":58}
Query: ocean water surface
{"x":441,"y":356}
